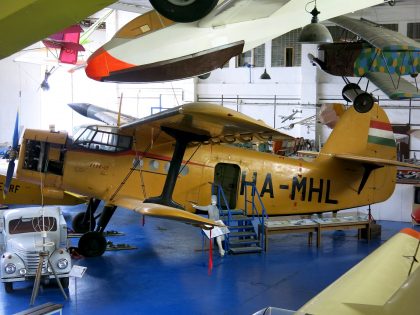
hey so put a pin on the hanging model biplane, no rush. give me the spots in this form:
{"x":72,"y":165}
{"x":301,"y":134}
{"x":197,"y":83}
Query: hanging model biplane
{"x":25,"y":22}
{"x":382,"y":56}
{"x":158,"y":164}
{"x":386,"y":282}
{"x":152,"y":48}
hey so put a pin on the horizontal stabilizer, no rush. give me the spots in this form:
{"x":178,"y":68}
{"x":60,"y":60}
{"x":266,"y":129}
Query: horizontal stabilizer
{"x":377,"y":36}
{"x":374,"y":160}
{"x":394,"y":86}
{"x":163,"y":212}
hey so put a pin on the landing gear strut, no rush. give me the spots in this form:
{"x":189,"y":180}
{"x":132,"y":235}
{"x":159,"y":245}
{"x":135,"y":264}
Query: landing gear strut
{"x":85,"y":221}
{"x":93,"y":243}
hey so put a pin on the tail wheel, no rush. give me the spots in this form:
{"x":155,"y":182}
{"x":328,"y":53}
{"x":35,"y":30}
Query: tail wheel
{"x":8,"y":287}
{"x":184,"y":11}
{"x":82,"y":227}
{"x":92,"y":244}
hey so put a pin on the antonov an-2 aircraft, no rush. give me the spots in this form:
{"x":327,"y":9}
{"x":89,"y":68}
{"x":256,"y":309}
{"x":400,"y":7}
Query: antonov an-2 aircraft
{"x":159,"y":164}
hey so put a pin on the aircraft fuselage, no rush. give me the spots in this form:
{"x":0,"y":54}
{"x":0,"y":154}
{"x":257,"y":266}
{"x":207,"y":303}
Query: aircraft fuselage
{"x":285,"y":185}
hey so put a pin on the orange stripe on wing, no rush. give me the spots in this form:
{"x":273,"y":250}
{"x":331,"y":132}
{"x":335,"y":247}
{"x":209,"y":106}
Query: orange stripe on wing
{"x":411,"y":232}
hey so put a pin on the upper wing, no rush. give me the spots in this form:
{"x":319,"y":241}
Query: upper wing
{"x":377,"y":36}
{"x":393,"y":85}
{"x":164,"y":212}
{"x":218,"y":123}
{"x":386,"y":282}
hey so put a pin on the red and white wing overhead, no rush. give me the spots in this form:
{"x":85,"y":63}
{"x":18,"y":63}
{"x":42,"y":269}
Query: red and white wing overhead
{"x":157,"y":49}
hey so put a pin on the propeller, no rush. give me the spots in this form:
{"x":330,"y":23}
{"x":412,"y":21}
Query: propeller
{"x":12,"y":157}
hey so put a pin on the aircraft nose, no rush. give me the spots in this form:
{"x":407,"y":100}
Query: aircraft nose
{"x":101,"y":64}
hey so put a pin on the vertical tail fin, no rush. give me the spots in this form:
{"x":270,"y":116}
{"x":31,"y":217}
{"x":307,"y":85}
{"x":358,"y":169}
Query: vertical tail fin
{"x":363,"y":134}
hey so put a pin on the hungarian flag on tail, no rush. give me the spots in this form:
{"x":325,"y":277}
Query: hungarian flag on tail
{"x":381,"y":133}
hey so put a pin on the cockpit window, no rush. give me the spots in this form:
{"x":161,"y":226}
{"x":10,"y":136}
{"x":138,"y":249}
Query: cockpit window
{"x":102,"y":139}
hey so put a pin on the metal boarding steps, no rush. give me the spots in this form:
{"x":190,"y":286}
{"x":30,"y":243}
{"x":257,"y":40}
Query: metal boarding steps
{"x":242,"y":237}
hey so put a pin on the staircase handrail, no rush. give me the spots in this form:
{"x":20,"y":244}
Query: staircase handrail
{"x":264,"y":215}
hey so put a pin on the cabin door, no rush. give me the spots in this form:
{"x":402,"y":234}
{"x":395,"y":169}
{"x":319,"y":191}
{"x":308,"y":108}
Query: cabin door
{"x":227,"y":175}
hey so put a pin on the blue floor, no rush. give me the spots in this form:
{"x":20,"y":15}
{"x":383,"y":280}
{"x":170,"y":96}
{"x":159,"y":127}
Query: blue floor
{"x":168,"y":273}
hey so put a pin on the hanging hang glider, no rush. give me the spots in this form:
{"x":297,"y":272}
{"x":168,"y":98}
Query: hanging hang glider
{"x":383,"y":57}
{"x":152,"y":48}
{"x":386,"y":282}
{"x":156,"y":165}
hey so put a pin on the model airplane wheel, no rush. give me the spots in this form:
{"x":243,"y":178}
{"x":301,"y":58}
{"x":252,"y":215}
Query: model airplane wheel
{"x":82,"y":227}
{"x":184,"y":11}
{"x":363,"y":103}
{"x":8,"y":287}
{"x":92,"y":244}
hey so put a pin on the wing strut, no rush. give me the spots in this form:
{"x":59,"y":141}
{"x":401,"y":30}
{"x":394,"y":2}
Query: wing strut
{"x":182,"y":139}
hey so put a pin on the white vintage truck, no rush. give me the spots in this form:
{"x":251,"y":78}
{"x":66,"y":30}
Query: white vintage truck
{"x":24,"y":233}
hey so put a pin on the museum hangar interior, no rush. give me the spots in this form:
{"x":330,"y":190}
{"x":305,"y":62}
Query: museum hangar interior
{"x":154,"y":264}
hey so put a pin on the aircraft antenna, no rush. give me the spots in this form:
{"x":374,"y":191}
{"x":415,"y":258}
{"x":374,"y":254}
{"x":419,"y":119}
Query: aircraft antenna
{"x":119,"y":111}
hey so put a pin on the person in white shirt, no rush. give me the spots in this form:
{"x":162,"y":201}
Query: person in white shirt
{"x":213,"y":212}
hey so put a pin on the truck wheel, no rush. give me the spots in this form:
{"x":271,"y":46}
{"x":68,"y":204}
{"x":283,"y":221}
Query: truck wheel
{"x":65,"y":282}
{"x":92,"y":244}
{"x":184,"y":11}
{"x":8,"y":287}
{"x":79,"y":226}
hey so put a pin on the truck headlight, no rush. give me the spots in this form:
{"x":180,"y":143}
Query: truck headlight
{"x":10,"y":268}
{"x":62,"y":263}
{"x":22,"y":271}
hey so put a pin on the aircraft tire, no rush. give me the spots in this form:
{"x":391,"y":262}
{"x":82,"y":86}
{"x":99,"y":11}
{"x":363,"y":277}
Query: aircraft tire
{"x":184,"y":11}
{"x":92,"y":244}
{"x":8,"y":287}
{"x":79,"y":226}
{"x":363,"y":103}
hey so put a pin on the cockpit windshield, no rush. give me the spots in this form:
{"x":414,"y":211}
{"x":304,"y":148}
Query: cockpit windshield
{"x":101,"y":139}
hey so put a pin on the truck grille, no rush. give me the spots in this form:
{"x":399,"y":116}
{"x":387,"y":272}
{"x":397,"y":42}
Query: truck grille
{"x":31,"y":258}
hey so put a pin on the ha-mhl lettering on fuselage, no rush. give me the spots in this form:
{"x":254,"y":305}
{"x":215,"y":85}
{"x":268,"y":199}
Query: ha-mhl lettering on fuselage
{"x":302,"y":187}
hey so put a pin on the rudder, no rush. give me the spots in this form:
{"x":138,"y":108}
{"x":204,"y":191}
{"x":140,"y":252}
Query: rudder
{"x":363,"y":134}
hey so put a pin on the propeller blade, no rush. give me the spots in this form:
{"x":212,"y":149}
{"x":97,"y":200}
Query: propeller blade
{"x":9,"y":175}
{"x":16,"y":133}
{"x":12,"y":157}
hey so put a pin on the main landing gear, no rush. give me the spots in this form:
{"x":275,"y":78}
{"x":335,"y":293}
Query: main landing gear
{"x":92,"y":243}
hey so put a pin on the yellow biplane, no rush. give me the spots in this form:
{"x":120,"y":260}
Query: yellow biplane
{"x":159,"y":164}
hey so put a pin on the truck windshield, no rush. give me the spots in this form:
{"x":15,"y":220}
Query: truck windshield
{"x":30,"y":225}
